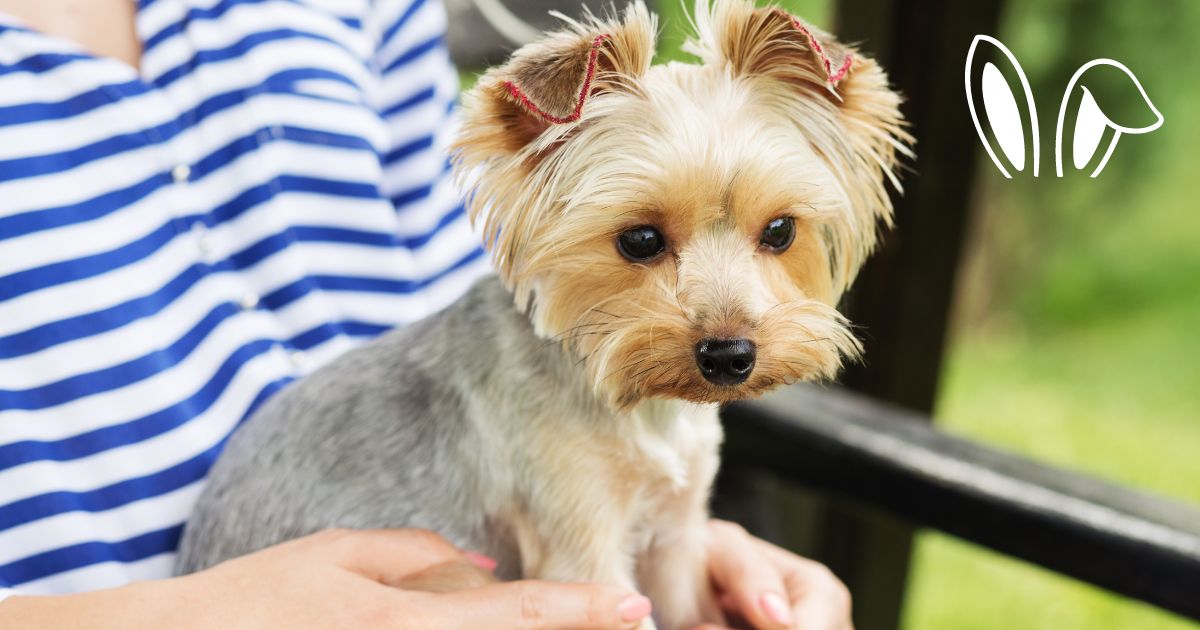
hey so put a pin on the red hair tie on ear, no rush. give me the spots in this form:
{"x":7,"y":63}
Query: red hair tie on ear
{"x":533,"y":108}
{"x":832,"y":76}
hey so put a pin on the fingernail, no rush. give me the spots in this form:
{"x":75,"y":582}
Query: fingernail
{"x":481,"y":561}
{"x":776,"y":609}
{"x":634,"y":608}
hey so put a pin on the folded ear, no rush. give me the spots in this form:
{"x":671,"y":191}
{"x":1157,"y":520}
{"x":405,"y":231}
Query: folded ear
{"x":517,"y":114}
{"x":549,"y":83}
{"x":840,"y":97}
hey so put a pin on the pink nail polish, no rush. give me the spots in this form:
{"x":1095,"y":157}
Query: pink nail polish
{"x":776,"y":609}
{"x":634,"y":608}
{"x":481,"y":561}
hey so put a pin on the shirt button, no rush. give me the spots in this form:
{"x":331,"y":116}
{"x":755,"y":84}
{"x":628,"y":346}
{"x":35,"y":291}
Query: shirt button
{"x":249,"y":302}
{"x":181,"y":173}
{"x":203,"y":240}
{"x":298,"y":359}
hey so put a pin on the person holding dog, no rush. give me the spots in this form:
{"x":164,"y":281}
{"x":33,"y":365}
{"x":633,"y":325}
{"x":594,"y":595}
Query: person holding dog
{"x":201,"y":200}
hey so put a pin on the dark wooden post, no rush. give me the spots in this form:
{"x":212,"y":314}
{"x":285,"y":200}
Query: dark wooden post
{"x":902,"y":298}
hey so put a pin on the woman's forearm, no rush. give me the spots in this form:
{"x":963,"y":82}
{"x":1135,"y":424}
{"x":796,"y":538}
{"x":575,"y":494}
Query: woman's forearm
{"x":134,"y":606}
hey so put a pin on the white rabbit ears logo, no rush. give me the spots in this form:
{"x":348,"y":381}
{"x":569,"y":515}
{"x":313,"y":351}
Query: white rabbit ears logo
{"x":988,"y":90}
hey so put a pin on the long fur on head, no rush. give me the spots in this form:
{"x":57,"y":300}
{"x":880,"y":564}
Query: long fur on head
{"x":577,"y":138}
{"x":852,"y":116}
{"x":521,"y":111}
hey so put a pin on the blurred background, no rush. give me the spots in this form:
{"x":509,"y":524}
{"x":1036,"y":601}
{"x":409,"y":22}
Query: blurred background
{"x":1074,"y":331}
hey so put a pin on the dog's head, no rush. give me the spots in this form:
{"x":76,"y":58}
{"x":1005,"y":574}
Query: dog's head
{"x":685,"y":228}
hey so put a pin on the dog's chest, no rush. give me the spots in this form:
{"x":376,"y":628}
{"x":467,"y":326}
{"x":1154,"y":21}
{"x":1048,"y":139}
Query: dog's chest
{"x":675,"y":458}
{"x":672,"y":442}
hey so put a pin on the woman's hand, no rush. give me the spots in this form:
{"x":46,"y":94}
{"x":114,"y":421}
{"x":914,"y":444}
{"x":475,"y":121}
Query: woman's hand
{"x":771,"y":588}
{"x":335,"y":579}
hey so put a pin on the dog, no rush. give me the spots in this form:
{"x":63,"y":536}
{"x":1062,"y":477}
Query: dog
{"x":665,"y":239}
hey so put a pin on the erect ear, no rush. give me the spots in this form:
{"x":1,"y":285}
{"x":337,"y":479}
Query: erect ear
{"x":839,"y":96}
{"x":548,"y":84}
{"x":769,"y":41}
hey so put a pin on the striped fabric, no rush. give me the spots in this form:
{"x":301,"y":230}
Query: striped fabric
{"x":179,"y":241}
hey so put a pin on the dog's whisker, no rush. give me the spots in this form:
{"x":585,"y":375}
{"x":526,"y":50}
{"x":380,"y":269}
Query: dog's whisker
{"x":578,"y":336}
{"x":656,"y":366}
{"x":622,"y":368}
{"x":566,"y":333}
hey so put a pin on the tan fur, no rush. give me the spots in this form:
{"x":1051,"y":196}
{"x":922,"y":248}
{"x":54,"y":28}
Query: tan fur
{"x":578,"y":138}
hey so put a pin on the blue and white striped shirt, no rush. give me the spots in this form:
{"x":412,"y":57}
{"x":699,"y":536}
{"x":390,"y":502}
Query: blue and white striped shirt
{"x":180,"y":240}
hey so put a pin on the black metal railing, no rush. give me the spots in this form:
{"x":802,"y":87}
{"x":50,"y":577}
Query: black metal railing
{"x":844,"y":443}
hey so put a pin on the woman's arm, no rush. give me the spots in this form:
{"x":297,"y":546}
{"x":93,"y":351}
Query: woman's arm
{"x":335,"y":579}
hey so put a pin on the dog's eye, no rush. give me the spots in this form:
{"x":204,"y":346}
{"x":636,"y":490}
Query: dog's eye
{"x":641,"y":243}
{"x":779,"y":234}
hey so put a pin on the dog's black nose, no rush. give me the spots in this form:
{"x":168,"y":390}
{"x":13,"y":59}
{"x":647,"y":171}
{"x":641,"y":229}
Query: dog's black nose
{"x":725,"y":361}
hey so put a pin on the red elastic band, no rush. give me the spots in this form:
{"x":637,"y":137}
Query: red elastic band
{"x":528,"y":103}
{"x":832,"y":77}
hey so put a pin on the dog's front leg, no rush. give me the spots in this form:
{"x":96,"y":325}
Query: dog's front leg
{"x":587,"y":555}
{"x":673,"y":571}
{"x":674,"y":575}
{"x":584,"y":541}
{"x":595,"y":554}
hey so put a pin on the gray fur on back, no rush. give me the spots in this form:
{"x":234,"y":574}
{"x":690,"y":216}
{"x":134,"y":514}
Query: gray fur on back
{"x":385,"y":436}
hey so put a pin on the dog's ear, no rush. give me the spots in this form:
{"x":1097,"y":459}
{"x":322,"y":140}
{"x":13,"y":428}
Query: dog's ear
{"x":547,"y":85}
{"x":839,"y":96}
{"x":518,"y":113}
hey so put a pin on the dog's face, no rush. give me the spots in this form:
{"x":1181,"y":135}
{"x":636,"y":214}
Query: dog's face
{"x":686,"y":229}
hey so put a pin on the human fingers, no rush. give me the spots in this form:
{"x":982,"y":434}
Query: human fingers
{"x":818,"y":599}
{"x":744,"y":574}
{"x":386,"y":556}
{"x":530,"y":604}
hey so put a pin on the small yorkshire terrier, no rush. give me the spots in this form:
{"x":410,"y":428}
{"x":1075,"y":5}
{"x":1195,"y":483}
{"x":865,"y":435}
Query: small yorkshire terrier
{"x":666,"y":239}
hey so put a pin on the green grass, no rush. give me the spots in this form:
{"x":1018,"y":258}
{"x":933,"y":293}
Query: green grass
{"x":1117,"y":400}
{"x":957,"y":586}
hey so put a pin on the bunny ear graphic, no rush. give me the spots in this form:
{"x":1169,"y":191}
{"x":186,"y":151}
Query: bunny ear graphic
{"x":999,"y":106}
{"x":1092,"y":124}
